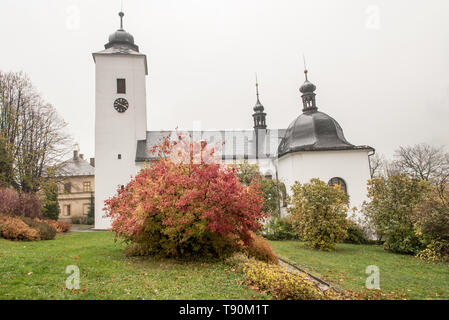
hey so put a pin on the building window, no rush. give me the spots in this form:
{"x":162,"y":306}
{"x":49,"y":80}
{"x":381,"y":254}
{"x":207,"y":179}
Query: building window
{"x":67,"y":210}
{"x":119,"y":157}
{"x":67,"y":187}
{"x":121,"y":86}
{"x":340,"y":182}
{"x":86,"y":209}
{"x":86,"y":186}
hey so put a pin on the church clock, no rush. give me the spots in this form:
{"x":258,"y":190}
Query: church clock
{"x":121,"y":105}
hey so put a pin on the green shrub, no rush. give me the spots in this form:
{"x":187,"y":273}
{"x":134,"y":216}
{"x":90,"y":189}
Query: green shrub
{"x":436,"y":251}
{"x":390,"y":211}
{"x":283,"y":284}
{"x":79,"y":220}
{"x":319,"y":214}
{"x":355,"y":234}
{"x":279,"y":229}
{"x":431,"y":221}
{"x":271,"y":188}
{"x":90,"y":221}
{"x":46,"y":231}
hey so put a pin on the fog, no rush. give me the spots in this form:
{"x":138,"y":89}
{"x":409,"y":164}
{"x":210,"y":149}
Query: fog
{"x":381,"y":67}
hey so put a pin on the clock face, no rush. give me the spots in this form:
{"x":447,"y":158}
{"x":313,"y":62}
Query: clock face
{"x":121,"y":105}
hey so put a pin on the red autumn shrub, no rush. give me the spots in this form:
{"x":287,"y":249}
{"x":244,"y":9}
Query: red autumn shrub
{"x":261,"y":250}
{"x":19,"y":204}
{"x":8,"y":201}
{"x":58,"y":225}
{"x":29,"y":205}
{"x":186,"y":204}
{"x":13,"y":228}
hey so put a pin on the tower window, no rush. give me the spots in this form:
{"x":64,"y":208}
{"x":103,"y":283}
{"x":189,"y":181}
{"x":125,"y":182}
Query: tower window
{"x":121,"y":86}
{"x":340,"y":182}
{"x":119,"y":157}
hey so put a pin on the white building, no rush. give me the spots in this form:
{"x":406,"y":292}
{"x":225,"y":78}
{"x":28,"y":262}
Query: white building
{"x":313,"y":146}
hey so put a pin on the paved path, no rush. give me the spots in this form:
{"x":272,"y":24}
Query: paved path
{"x":78,"y":228}
{"x":324,"y":286}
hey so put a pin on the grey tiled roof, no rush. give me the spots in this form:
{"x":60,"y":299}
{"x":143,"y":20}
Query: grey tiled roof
{"x":237,"y":143}
{"x":78,"y":167}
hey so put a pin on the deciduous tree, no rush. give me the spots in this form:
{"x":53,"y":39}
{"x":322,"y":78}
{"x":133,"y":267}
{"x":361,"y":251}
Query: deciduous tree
{"x":32,"y":133}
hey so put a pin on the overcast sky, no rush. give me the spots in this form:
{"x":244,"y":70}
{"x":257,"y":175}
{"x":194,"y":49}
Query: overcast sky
{"x":381,"y":67}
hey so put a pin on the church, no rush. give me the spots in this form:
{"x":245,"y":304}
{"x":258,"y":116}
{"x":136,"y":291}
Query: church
{"x":312,"y":146}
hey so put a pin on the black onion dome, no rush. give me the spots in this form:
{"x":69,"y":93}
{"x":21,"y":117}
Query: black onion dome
{"x":258,"y":107}
{"x":121,"y":38}
{"x":313,"y":131}
{"x":307,"y":87}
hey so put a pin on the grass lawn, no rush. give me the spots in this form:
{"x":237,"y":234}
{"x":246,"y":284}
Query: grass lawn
{"x":346,"y":268}
{"x":36,"y":270}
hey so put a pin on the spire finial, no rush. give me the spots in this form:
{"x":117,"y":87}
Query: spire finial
{"x":305,"y":67}
{"x":258,"y":115}
{"x":121,"y":14}
{"x":257,"y":88}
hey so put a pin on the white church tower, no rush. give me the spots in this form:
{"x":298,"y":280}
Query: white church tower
{"x":120,"y":116}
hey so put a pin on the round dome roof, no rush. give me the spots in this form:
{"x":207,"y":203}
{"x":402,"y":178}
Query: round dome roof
{"x":121,"y":38}
{"x":313,"y":131}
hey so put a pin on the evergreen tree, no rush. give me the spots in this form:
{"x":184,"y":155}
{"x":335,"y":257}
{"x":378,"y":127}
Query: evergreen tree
{"x":51,"y":204}
{"x":91,"y":214}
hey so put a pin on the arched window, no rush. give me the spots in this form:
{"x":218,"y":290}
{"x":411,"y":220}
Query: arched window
{"x":339,"y":181}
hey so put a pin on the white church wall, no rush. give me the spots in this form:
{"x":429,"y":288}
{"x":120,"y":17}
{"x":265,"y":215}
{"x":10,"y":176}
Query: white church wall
{"x":117,"y":133}
{"x":350,"y":165}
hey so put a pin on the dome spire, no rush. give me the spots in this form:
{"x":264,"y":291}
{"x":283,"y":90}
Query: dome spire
{"x":305,"y":68}
{"x":258,"y":104}
{"x":308,"y":95}
{"x":257,"y":88}
{"x":121,"y":14}
{"x":259,"y":115}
